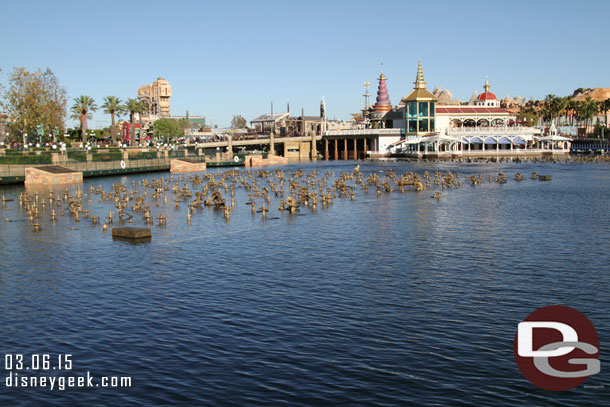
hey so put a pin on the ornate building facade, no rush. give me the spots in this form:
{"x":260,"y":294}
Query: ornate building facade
{"x":422,"y":127}
{"x":156,"y":96}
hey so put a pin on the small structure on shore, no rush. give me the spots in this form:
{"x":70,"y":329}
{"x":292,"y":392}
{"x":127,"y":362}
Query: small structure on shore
{"x":181,"y":165}
{"x":52,"y":175}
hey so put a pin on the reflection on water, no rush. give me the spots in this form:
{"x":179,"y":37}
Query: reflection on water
{"x":391,"y":300}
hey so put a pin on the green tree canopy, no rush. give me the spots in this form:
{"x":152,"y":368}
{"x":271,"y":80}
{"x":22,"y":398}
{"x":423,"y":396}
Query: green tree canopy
{"x":167,"y":129}
{"x":35,"y":98}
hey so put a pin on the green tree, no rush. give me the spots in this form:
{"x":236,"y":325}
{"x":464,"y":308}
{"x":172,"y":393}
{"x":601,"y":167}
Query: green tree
{"x":112,"y":106}
{"x":238,"y":122}
{"x":34,"y":99}
{"x":167,"y":129}
{"x":184,"y":125}
{"x":529,"y":113}
{"x":81,"y":110}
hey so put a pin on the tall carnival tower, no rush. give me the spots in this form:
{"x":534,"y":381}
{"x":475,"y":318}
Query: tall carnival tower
{"x":383,"y":104}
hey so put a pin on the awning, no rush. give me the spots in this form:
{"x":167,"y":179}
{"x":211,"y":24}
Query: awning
{"x":554,"y":138}
{"x":442,"y":139}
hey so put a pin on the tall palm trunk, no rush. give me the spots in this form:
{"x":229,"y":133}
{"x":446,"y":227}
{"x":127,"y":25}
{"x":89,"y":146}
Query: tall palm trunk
{"x":83,"y":126}
{"x":132,"y":132}
{"x":140,"y":120}
{"x":113,"y":129}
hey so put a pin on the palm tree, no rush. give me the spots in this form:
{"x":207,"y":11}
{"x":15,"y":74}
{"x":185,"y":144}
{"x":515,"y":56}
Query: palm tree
{"x":549,"y":109}
{"x":604,"y":107}
{"x":572,"y":108}
{"x":81,"y":110}
{"x":112,"y":106}
{"x":142,"y":108}
{"x":594,"y":106}
{"x":560,"y":105}
{"x":132,"y":106}
{"x":588,"y":109}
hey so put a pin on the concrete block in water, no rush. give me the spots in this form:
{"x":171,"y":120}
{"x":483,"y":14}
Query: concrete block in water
{"x":131,"y":234}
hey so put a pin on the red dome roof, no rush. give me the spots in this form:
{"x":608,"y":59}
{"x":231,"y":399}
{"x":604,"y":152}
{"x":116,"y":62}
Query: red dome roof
{"x":487,"y":96}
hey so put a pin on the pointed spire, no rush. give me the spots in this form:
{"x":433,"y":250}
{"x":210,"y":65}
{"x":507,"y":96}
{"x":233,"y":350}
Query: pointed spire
{"x":486,"y":84}
{"x":419,"y":80}
{"x":383,"y":98}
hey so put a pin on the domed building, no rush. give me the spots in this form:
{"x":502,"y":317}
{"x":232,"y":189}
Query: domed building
{"x":487,"y":98}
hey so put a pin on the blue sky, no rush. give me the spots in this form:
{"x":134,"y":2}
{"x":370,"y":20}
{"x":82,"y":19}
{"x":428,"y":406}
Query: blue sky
{"x":232,"y":57}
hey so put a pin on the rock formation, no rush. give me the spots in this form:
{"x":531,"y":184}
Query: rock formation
{"x":599,"y":94}
{"x":473,"y":98}
{"x":445,"y":97}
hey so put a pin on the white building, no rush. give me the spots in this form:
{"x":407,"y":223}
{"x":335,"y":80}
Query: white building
{"x":421,"y":127}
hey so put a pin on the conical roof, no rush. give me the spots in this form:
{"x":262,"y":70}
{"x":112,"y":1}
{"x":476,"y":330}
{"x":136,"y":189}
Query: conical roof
{"x":419,"y":91}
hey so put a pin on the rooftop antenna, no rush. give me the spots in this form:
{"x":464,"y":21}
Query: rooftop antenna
{"x":366,"y":102}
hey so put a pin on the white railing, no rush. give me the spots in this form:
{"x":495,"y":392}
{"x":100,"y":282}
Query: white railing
{"x":364,"y":132}
{"x":466,"y":131}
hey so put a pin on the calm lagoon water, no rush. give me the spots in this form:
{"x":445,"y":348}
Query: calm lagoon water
{"x":381,"y":301}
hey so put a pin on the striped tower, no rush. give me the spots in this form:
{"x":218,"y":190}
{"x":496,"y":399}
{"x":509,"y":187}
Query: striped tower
{"x":383,"y":104}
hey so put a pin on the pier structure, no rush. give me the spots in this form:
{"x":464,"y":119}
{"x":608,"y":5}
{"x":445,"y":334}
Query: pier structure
{"x":420,"y":127}
{"x":359,"y":143}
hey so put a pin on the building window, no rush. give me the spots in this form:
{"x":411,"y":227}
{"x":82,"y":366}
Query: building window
{"x":412,"y":109}
{"x":423,"y":124}
{"x":432,"y":110}
{"x":432,"y":125}
{"x":423,"y":109}
{"x":412,"y":126}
